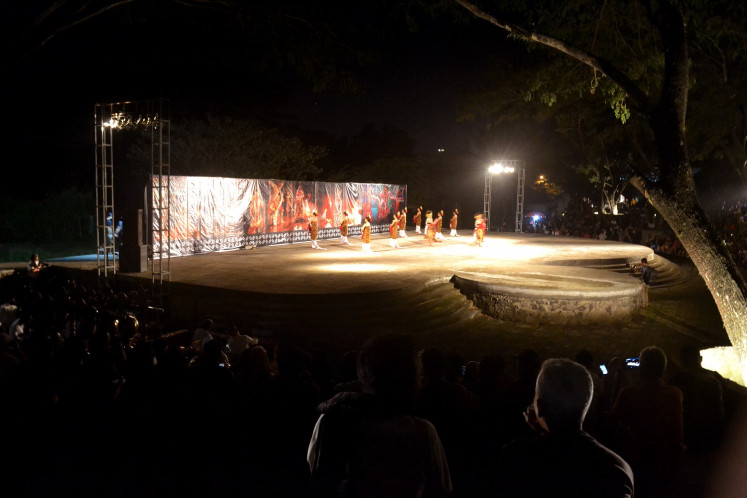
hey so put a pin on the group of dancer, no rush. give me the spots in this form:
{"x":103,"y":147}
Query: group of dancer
{"x":397,"y":228}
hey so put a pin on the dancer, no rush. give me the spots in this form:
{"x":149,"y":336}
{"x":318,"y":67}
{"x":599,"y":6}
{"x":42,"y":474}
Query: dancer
{"x":479,"y":233}
{"x":417,"y":219}
{"x":428,"y":222}
{"x":439,"y":224}
{"x":314,"y":229}
{"x":430,"y":230}
{"x":453,"y":224}
{"x":344,"y":228}
{"x":403,"y":223}
{"x":393,"y":229}
{"x":366,"y":235}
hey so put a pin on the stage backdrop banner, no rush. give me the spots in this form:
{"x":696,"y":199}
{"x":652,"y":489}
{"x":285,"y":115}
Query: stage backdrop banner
{"x":218,"y":214}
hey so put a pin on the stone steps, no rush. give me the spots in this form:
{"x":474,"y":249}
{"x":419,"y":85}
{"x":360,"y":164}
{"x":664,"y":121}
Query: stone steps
{"x":437,"y":306}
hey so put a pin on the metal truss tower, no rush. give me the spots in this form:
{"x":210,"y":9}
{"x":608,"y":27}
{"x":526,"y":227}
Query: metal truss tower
{"x":521,"y":176}
{"x":155,"y":116}
{"x":161,"y":193}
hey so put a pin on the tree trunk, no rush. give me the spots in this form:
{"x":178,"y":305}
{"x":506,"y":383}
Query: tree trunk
{"x":714,"y":263}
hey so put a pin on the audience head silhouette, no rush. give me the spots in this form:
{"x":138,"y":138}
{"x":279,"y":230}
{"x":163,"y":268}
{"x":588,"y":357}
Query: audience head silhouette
{"x":387,"y":368}
{"x":563,"y":394}
{"x":653,"y":362}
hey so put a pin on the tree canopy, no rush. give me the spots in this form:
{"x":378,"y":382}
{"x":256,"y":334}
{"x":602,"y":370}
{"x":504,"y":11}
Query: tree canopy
{"x":637,"y":54}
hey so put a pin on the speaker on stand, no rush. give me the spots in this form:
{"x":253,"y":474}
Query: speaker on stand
{"x":133,"y":254}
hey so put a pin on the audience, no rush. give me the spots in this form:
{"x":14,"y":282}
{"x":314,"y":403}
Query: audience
{"x":451,"y":408}
{"x":638,"y":223}
{"x":99,"y":399}
{"x":369,"y":443}
{"x":562,"y":459}
{"x":702,"y":401}
{"x":652,"y":413}
{"x":237,"y":343}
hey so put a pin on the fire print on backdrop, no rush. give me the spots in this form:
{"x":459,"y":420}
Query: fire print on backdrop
{"x":217,"y":214}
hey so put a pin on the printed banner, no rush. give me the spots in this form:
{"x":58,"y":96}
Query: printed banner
{"x":217,"y":214}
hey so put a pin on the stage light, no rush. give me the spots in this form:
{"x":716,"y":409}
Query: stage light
{"x":123,"y":120}
{"x":500,"y":168}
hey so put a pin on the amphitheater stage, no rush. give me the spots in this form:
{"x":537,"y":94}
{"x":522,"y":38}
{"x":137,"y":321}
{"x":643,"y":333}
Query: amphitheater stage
{"x":555,"y":294}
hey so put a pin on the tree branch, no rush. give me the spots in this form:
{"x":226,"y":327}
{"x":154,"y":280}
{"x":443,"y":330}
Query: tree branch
{"x":640,"y":99}
{"x":74,"y":22}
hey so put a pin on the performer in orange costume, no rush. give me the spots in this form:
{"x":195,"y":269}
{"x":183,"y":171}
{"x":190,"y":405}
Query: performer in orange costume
{"x":439,"y":225}
{"x":344,"y":228}
{"x":480,"y":227}
{"x":430,"y":227}
{"x":366,"y":235}
{"x":403,"y":223}
{"x":393,"y":229}
{"x":453,"y":224}
{"x":428,"y":222}
{"x":314,"y":229}
{"x":417,"y":219}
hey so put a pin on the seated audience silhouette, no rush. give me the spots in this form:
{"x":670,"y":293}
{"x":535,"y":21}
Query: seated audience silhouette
{"x":370,"y":443}
{"x":652,"y":413}
{"x":702,"y":401}
{"x":561,"y":459}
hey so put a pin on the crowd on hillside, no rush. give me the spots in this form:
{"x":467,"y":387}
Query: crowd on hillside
{"x":641,"y":225}
{"x":99,"y":400}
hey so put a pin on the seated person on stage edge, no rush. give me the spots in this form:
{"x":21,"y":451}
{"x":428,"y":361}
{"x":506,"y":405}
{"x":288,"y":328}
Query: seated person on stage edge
{"x":34,"y":265}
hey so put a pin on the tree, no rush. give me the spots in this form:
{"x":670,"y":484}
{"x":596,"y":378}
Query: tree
{"x":607,"y":180}
{"x":718,"y":94}
{"x":232,"y":147}
{"x":648,"y":80}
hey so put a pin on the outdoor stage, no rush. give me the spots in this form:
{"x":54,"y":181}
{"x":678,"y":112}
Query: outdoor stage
{"x":555,"y":294}
{"x":517,"y":261}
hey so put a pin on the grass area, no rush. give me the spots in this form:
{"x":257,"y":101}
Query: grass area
{"x":20,"y":252}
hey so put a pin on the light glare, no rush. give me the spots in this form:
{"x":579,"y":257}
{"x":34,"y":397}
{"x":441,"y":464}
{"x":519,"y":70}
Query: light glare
{"x":499,"y":168}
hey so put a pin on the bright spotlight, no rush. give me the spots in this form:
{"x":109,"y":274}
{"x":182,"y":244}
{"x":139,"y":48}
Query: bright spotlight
{"x":499,"y":168}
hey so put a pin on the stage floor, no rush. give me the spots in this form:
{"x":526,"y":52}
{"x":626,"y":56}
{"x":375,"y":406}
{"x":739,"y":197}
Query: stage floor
{"x":332,"y":299}
{"x":521,"y":259}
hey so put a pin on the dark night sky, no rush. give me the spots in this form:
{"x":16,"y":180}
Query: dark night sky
{"x":49,"y":117}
